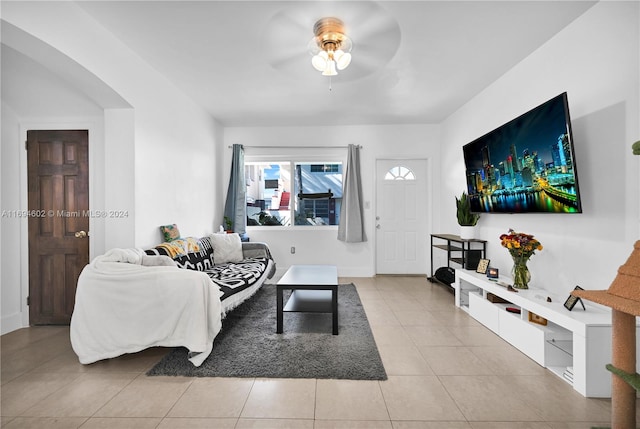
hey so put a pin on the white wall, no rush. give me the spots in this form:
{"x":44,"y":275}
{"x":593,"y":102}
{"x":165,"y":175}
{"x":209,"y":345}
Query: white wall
{"x":596,"y":60}
{"x":164,"y":119}
{"x":319,"y":245}
{"x":10,"y":298}
{"x":156,"y":157}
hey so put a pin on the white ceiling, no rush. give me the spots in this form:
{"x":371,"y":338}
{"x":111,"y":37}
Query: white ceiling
{"x":246,"y":62}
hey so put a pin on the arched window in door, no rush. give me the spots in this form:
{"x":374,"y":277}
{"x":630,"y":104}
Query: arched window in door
{"x":399,"y":173}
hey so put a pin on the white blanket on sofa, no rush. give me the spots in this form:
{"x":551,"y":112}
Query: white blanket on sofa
{"x":127,"y":301}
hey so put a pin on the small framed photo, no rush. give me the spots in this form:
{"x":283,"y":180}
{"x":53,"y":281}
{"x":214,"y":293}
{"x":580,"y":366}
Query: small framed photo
{"x":483,"y":264}
{"x":534,"y":318}
{"x":573,"y":300}
{"x":492,"y":273}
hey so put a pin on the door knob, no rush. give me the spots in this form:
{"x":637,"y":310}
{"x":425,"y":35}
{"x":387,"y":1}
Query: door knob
{"x":81,"y":234}
{"x":378,"y":226}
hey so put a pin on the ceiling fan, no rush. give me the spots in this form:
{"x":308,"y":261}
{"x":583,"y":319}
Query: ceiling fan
{"x":304,"y":37}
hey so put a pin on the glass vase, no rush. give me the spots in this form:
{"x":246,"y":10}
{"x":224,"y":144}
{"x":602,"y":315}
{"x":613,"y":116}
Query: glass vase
{"x":520,"y":273}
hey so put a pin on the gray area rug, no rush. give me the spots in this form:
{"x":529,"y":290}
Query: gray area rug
{"x":248,"y":345}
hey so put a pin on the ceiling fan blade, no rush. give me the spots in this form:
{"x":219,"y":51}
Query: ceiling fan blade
{"x":374,"y":32}
{"x":285,"y":38}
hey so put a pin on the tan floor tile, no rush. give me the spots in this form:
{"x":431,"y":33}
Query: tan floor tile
{"x":555,"y":400}
{"x":419,"y":398}
{"x":122,"y":423}
{"x":372,"y":294}
{"x":133,"y":362}
{"x":82,"y":397}
{"x":438,"y":302}
{"x":579,"y":425}
{"x":29,"y":389}
{"x":352,"y":424}
{"x":379,"y":314}
{"x":510,"y":425}
{"x":7,"y":375}
{"x":403,"y":360}
{"x":197,"y":423}
{"x":490,"y":398}
{"x":350,"y":400}
{"x":398,"y":296}
{"x":361,"y":283}
{"x":66,"y":361}
{"x":146,"y":397}
{"x":281,"y":399}
{"x":432,"y":336}
{"x":427,"y":293}
{"x":453,"y":316}
{"x":454,"y":361}
{"x":139,"y":362}
{"x":476,"y":336}
{"x":405,"y":304}
{"x":213,"y":397}
{"x":274,"y":424}
{"x":42,"y":380}
{"x":391,"y":336}
{"x":27,"y":337}
{"x":45,"y":422}
{"x":415,"y":318}
{"x":507,"y":360}
{"x":27,"y":359}
{"x":430,"y":425}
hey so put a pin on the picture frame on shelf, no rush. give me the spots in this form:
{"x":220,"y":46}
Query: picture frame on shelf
{"x":493,"y":273}
{"x":573,"y":300}
{"x":534,"y":318}
{"x":483,"y":265}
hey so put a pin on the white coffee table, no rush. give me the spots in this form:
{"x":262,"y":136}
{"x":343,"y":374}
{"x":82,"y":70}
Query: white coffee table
{"x":314,"y":290}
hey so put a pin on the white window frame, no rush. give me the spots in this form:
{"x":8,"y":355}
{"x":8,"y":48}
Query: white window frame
{"x":329,"y":158}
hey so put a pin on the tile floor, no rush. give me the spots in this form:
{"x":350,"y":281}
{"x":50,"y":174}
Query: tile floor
{"x":445,"y":371}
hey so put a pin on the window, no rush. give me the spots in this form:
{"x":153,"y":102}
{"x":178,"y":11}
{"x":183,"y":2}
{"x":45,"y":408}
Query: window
{"x":399,"y":173}
{"x":290,"y":193}
{"x":324,"y":168}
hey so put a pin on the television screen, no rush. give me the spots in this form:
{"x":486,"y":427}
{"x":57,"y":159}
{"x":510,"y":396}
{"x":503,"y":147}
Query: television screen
{"x":526,"y":165}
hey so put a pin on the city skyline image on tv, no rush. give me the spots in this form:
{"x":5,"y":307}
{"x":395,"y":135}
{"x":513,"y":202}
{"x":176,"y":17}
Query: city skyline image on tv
{"x":526,"y":165}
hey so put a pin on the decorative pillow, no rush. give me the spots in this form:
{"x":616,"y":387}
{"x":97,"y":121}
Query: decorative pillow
{"x":200,"y":260}
{"x":170,"y":232}
{"x":180,"y":246}
{"x":226,"y":248}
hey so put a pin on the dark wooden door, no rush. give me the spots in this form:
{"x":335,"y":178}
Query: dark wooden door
{"x":58,"y":182}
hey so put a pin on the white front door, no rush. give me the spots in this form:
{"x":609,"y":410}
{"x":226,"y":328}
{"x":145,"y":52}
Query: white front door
{"x":401,"y":216}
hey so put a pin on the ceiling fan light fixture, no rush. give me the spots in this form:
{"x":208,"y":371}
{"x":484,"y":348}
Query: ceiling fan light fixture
{"x":320,"y":61}
{"x":331,"y":69}
{"x":330,"y":47}
{"x":343,"y":59}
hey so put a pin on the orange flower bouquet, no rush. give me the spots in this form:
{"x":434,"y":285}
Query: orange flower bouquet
{"x":521,"y":246}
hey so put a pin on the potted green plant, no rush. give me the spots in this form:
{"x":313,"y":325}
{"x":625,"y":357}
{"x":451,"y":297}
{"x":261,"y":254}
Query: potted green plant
{"x":466,"y":219}
{"x":228,"y":223}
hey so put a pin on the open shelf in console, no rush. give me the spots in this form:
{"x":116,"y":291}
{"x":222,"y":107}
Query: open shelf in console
{"x":564,"y":345}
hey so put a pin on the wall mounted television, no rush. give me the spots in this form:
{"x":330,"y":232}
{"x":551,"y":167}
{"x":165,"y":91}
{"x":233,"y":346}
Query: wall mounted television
{"x":526,"y":165}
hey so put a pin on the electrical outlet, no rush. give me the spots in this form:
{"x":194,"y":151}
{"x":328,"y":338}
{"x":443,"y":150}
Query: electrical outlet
{"x":293,"y":250}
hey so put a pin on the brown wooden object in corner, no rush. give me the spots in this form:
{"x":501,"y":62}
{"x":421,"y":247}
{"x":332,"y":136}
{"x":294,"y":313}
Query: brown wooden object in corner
{"x":623,"y":296}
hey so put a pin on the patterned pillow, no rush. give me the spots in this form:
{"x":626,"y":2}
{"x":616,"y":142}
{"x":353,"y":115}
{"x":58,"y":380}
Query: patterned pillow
{"x":200,"y":260}
{"x":170,"y":232}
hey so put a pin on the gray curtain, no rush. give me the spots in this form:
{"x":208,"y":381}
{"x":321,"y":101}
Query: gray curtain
{"x":235,"y":207}
{"x":351,"y":228}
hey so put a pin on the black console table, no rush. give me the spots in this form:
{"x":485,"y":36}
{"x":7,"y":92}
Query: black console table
{"x":456,"y":249}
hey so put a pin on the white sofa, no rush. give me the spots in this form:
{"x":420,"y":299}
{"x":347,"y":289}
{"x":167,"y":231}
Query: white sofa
{"x":128,"y":300}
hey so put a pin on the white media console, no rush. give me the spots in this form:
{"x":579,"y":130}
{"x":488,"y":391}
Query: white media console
{"x":575,"y":345}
